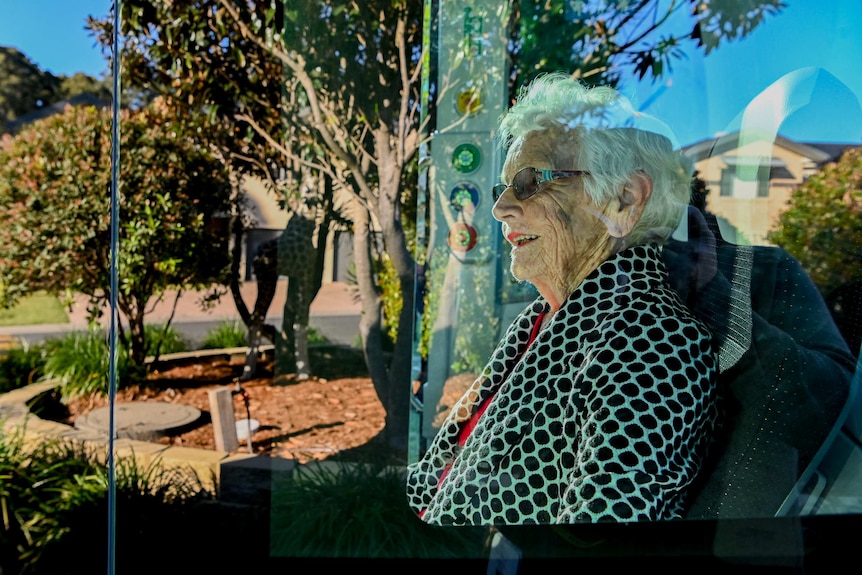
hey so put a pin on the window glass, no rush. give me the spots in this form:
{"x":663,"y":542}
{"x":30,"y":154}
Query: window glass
{"x":57,"y":487}
{"x":519,"y":422}
{"x":422,"y":310}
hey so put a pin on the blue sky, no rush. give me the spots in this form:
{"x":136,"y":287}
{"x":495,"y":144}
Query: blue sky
{"x":706,"y":95}
{"x":51,"y":33}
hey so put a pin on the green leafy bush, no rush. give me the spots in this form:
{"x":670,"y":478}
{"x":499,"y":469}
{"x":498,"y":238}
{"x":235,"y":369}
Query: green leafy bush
{"x":315,"y":337}
{"x":54,"y":501}
{"x":81,"y":361}
{"x":22,"y":365}
{"x":169,"y":340}
{"x":822,"y":225}
{"x":233,"y":334}
{"x":228,"y":334}
{"x":359,"y":510}
{"x":390,"y":294}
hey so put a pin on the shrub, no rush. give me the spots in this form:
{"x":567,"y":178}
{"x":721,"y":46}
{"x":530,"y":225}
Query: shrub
{"x":227,"y":335}
{"x":233,"y":334}
{"x":81,"y":360}
{"x":169,"y":340}
{"x":22,"y":365}
{"x":358,"y":510}
{"x":55,"y":501}
{"x":315,"y":337}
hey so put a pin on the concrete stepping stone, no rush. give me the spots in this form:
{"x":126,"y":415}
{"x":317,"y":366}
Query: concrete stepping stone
{"x":142,"y":420}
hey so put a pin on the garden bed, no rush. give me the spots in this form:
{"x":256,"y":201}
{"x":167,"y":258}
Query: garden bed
{"x":335,"y":413}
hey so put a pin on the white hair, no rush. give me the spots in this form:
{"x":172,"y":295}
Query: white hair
{"x":591,"y":130}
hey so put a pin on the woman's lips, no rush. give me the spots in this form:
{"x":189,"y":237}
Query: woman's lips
{"x":518,"y":239}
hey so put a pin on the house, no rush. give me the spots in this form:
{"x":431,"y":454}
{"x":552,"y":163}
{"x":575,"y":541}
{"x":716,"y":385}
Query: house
{"x":750,"y":179}
{"x":268,"y":219}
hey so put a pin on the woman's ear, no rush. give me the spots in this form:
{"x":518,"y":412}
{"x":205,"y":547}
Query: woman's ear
{"x":624,"y":211}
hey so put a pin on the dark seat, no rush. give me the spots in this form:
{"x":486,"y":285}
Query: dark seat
{"x":785,"y":372}
{"x":832,"y":484}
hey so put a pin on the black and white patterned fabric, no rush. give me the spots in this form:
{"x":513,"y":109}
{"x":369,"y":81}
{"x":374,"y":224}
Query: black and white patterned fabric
{"x":606,"y":417}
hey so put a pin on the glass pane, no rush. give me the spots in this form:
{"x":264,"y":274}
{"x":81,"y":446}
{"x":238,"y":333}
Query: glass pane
{"x":55,"y":142}
{"x":319,"y":298}
{"x":569,"y":428}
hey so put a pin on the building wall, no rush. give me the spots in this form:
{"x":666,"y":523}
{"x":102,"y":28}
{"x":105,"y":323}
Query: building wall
{"x":754,"y":217}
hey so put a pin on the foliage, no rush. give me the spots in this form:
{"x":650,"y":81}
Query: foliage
{"x":81,"y":361}
{"x":229,"y":334}
{"x":315,"y":337}
{"x":22,"y":365}
{"x":192,"y":52}
{"x":54,"y":201}
{"x":25,"y":88}
{"x":162,"y":339}
{"x":329,"y":89}
{"x":359,"y":511}
{"x":596,"y":41}
{"x":54,"y":501}
{"x":390,"y":293}
{"x":822,"y":226}
{"x":80,"y":83}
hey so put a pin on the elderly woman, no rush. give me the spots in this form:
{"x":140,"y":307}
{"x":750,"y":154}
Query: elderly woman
{"x":598,"y":404}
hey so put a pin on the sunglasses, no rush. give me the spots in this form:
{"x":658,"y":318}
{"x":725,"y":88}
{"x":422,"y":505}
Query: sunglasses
{"x":526,"y":182}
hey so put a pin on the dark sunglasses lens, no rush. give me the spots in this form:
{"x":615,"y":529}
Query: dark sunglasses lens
{"x":524,"y":184}
{"x":498,"y":190}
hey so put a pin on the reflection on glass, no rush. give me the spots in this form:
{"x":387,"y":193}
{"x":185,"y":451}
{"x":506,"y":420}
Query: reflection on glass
{"x":599,"y":402}
{"x":753,"y":262}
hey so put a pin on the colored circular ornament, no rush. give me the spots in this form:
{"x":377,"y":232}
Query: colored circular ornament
{"x":466,"y":158}
{"x":464,"y":195}
{"x":462,"y":237}
{"x":469,"y":101}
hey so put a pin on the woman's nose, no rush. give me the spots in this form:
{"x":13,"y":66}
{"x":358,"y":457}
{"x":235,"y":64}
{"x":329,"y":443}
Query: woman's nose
{"x":506,"y":205}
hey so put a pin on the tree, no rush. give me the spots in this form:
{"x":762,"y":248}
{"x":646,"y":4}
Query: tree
{"x":24,"y":86}
{"x":80,"y":83}
{"x":250,"y":85}
{"x":822,"y":228}
{"x":55,"y":204}
{"x":351,"y":73}
{"x":598,"y":40}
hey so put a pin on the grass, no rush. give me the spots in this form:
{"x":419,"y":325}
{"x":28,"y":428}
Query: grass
{"x":53,"y":498}
{"x":358,"y":511}
{"x":228,"y":334}
{"x":36,"y":309}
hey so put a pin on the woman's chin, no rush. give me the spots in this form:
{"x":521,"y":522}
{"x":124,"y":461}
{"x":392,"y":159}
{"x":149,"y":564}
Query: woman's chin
{"x":522,"y":272}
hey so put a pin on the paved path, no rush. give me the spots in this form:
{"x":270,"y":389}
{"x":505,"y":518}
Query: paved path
{"x":334,"y":312}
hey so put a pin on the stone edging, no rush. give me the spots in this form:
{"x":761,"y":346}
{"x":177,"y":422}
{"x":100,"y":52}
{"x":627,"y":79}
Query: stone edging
{"x":235,"y":478}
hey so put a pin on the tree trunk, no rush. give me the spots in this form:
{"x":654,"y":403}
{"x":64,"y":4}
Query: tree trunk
{"x":391,"y":382}
{"x":369,"y":319}
{"x":238,"y":231}
{"x":137,"y":344}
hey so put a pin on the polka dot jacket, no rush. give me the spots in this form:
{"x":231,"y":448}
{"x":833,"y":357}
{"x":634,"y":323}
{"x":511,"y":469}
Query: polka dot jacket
{"x":606,"y":417}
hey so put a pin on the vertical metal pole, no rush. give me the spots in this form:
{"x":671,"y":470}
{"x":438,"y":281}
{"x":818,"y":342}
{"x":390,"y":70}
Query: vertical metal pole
{"x":114,"y":279}
{"x":414,"y":442}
